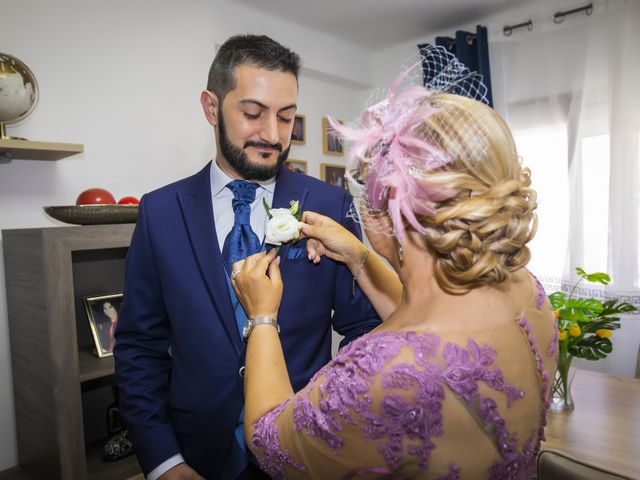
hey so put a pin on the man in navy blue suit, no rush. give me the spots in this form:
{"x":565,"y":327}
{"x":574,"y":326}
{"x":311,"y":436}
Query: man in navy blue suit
{"x":179,"y":351}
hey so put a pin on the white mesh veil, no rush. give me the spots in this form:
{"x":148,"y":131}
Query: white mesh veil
{"x":391,"y":152}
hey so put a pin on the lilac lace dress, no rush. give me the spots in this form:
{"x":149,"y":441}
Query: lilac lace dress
{"x":418,"y":405}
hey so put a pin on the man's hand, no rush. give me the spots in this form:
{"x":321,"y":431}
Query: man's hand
{"x":182,"y":471}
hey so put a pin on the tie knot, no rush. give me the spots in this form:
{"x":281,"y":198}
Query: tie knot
{"x":243,"y":191}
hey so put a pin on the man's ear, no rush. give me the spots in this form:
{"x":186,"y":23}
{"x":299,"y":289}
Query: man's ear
{"x":210,"y":105}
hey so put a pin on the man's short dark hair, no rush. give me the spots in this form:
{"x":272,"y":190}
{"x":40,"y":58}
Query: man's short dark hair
{"x":255,"y":50}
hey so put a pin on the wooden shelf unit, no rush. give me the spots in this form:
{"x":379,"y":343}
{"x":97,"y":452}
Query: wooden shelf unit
{"x":55,"y":374}
{"x":28,"y":150}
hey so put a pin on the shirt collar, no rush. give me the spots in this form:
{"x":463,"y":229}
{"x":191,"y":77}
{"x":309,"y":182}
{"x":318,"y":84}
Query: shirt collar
{"x":220,"y":180}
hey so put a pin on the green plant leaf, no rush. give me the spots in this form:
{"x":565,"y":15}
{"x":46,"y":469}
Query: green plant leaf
{"x":597,"y":277}
{"x":581,"y":310}
{"x":591,"y":348}
{"x":612,"y":323}
{"x":557,"y":300}
{"x":573,"y":315}
{"x":266,"y":207}
{"x":611,"y":307}
{"x":590,"y":305}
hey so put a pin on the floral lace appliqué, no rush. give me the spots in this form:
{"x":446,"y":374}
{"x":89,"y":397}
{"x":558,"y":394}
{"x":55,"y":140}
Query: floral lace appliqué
{"x":541,"y":295}
{"x":267,"y":437}
{"x":404,"y":424}
{"x":553,"y":346}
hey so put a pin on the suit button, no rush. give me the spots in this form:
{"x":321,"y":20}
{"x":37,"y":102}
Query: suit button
{"x":241,"y":371}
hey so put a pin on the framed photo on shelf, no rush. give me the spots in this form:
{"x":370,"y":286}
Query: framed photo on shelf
{"x":331,"y":143}
{"x":299,"y":133}
{"x":333,"y":174}
{"x":103,"y":312}
{"x":298,"y":166}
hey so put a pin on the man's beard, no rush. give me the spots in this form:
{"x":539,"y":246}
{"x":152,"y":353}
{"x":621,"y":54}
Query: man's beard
{"x":240,"y":162}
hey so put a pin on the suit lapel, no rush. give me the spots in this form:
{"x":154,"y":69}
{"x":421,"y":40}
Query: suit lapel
{"x":287,"y":189}
{"x":195,"y":203}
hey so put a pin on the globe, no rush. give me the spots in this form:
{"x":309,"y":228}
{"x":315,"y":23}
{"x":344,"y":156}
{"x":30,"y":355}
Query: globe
{"x":18,"y":91}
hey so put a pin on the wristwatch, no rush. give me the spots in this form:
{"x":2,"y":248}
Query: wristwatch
{"x":253,"y":322}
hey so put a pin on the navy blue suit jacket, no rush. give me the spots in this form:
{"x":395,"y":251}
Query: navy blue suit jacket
{"x":178,"y":350}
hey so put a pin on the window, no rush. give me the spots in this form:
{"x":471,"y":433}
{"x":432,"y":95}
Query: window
{"x":544,"y":151}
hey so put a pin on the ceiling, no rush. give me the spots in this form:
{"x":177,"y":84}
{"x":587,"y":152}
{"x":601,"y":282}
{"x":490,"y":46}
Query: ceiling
{"x":376,"y":24}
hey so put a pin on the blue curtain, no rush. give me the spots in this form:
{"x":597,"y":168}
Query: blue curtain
{"x":472,"y":49}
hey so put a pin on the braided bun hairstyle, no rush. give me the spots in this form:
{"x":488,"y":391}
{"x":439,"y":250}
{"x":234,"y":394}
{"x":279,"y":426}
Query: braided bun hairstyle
{"x":479,"y":237}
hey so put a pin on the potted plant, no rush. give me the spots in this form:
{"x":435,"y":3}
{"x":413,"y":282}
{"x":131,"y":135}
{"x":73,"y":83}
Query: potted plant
{"x":585,"y":327}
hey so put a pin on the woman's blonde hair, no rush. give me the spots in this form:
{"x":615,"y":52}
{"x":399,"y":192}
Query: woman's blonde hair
{"x":479,"y":236}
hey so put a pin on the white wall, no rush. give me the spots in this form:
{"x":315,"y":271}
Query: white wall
{"x":124,"y":79}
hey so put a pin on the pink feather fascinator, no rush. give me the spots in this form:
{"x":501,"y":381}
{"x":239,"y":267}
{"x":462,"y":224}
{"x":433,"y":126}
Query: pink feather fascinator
{"x":389,"y":159}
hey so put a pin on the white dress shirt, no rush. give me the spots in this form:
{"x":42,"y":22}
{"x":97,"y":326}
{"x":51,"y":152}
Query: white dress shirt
{"x":221,"y":198}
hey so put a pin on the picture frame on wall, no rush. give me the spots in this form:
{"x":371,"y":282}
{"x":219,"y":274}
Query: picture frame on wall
{"x":331,"y":142}
{"x":299,"y":133}
{"x":103,"y":312}
{"x":298,"y":166}
{"x":333,"y":173}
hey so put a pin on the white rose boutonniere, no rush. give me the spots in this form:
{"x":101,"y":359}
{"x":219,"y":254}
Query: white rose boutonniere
{"x":284,"y":224}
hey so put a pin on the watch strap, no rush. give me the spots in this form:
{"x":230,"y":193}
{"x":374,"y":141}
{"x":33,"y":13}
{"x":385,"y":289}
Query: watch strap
{"x":254,"y":322}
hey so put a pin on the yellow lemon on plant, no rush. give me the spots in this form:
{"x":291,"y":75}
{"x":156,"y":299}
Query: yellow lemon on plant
{"x":604,"y":333}
{"x":562,"y":335}
{"x":574,"y":330}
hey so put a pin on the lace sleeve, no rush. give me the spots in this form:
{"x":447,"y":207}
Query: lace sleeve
{"x":302,"y":437}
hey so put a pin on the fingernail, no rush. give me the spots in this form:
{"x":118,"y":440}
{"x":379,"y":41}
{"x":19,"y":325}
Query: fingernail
{"x":277,"y":260}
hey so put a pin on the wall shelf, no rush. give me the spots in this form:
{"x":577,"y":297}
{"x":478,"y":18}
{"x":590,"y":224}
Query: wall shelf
{"x":28,"y":150}
{"x":91,"y":367}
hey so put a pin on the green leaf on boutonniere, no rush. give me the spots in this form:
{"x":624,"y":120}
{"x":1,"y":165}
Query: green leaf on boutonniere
{"x":266,"y":207}
{"x":295,"y":209}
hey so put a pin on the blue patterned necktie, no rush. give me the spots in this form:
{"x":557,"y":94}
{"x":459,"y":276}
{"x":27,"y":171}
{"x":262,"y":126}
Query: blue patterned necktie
{"x":241,"y":241}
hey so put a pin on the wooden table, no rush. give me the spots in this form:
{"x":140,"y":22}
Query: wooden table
{"x":604,"y":428}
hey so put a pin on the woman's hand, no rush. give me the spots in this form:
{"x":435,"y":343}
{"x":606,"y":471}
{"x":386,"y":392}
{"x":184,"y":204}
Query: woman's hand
{"x":258,"y":284}
{"x":327,"y":237}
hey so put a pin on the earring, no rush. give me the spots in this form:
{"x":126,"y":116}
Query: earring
{"x":400,"y":253}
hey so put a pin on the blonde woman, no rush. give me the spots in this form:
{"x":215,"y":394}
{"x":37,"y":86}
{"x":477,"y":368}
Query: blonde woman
{"x":455,"y":382}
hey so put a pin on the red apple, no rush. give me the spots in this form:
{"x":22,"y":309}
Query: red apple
{"x":129,"y":201}
{"x":95,"y":196}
